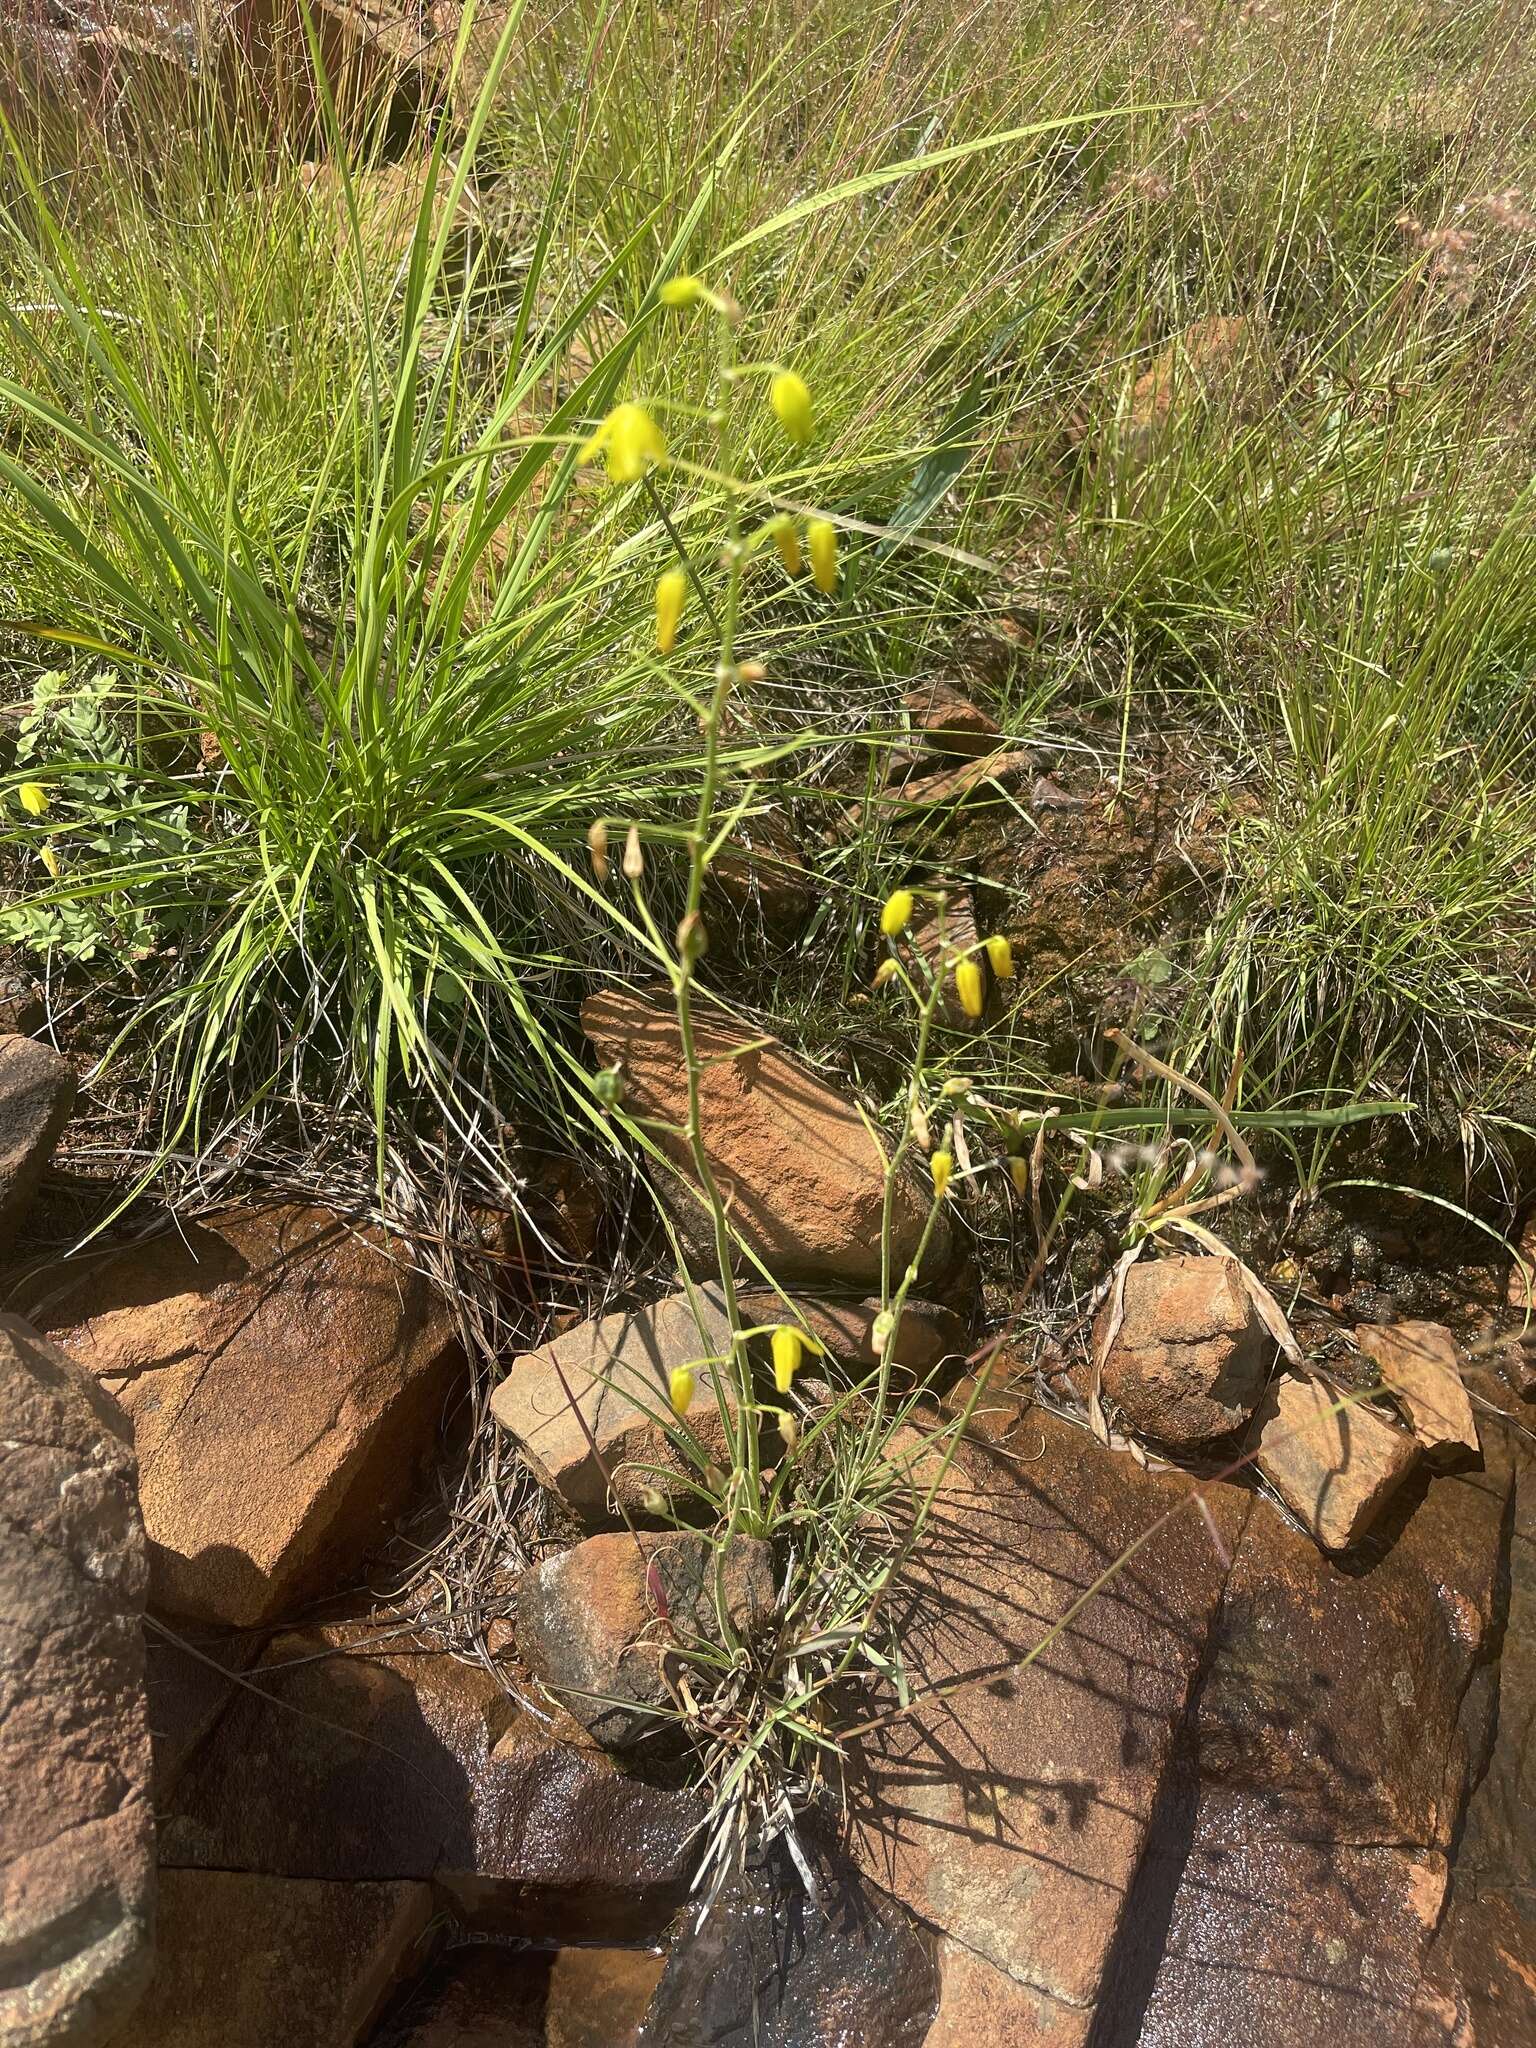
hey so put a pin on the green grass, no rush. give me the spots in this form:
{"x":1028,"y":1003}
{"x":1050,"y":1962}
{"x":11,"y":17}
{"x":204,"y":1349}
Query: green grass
{"x":311,"y":490}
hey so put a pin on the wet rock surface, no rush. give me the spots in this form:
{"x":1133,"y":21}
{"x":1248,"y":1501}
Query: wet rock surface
{"x":1190,"y":1356}
{"x":804,"y":1176}
{"x":356,"y":1759}
{"x":590,"y":1411}
{"x":77,"y":1880}
{"x":770,"y":1967}
{"x":37,"y":1093}
{"x":286,"y":1379}
{"x":1011,"y":1809}
{"x":494,"y":1996}
{"x":606,"y":1626}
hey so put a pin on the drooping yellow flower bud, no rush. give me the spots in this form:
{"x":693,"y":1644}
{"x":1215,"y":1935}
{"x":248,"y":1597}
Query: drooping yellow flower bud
{"x":787,"y":541}
{"x":681,"y":291}
{"x":1000,"y":953}
{"x":680,"y":1385}
{"x":789,"y":1426}
{"x":941,"y":1166}
{"x":881,"y":1331}
{"x":970,"y":986}
{"x":790,"y":397}
{"x":50,"y":860}
{"x":34,"y":799}
{"x":671,"y":591}
{"x":886,"y":971}
{"x":821,"y":543}
{"x":897,"y":914}
{"x":1018,"y":1173}
{"x":631,"y":441}
{"x":597,"y":846}
{"x":634,"y":855}
{"x":788,"y":1350}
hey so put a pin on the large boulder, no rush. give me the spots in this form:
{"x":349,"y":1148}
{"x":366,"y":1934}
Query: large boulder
{"x":1011,"y":1804}
{"x":248,"y":1961}
{"x":37,"y":1093}
{"x":591,"y":1410}
{"x":77,"y":1878}
{"x":360,"y":1756}
{"x":604,"y":1626}
{"x":1303,"y":1867}
{"x":802,"y":1175}
{"x":285,"y":1375}
{"x":1189,"y":1357}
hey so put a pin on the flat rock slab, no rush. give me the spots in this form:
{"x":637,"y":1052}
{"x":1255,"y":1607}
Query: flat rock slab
{"x":1190,"y":1356}
{"x":366,"y":1760}
{"x":1011,"y":1810}
{"x":37,"y":1093}
{"x":591,"y":1411}
{"x":77,"y":1876}
{"x":246,"y":1962}
{"x":285,"y":1377}
{"x":801,"y":1173}
{"x":948,"y":722}
{"x":927,"y":1336}
{"x":1301,"y":1869}
{"x":1337,"y":1469}
{"x":1421,"y":1364}
{"x":606,"y":1627}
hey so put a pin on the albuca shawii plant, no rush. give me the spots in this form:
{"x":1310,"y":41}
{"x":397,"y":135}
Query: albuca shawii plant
{"x":856,"y":1469}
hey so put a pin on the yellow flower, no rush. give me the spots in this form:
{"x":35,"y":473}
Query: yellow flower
{"x":941,"y":1166}
{"x":34,"y":799}
{"x":1018,"y":1173}
{"x":680,"y":1385}
{"x":821,"y":541}
{"x":897,"y":914}
{"x":631,"y":440}
{"x":790,"y":398}
{"x":886,"y":971}
{"x":671,"y":590}
{"x":788,"y":1350}
{"x":1000,"y":953}
{"x":681,"y":291}
{"x":50,"y":860}
{"x":787,"y":541}
{"x":970,"y":986}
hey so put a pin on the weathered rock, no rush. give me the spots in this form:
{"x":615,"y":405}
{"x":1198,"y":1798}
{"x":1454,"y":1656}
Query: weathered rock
{"x":938,"y":940}
{"x":22,"y":1010}
{"x":770,"y":1968}
{"x":37,"y":1093}
{"x":190,"y":1681}
{"x":484,"y":1996}
{"x":1011,"y":1811}
{"x":1420,"y":1364}
{"x":926,"y":1337}
{"x":285,"y":1377}
{"x":979,"y":2003}
{"x":1302,"y":1867}
{"x":76,"y":1824}
{"x":988,"y":778}
{"x":1480,"y":1987}
{"x":1279,"y":1943}
{"x":598,"y":1997}
{"x":761,"y":873}
{"x":801,"y":1173}
{"x":947,"y":722}
{"x":601,"y":1625}
{"x":393,"y":1761}
{"x":248,"y":1961}
{"x":1336,"y":1469}
{"x":996,"y":1395}
{"x":591,"y":1411}
{"x":1191,"y":1355}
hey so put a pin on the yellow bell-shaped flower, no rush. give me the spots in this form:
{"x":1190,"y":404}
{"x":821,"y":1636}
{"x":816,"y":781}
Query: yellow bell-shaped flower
{"x":631,"y":441}
{"x":970,"y":986}
{"x":671,"y":593}
{"x":790,"y":397}
{"x":788,"y":1351}
{"x":821,"y":544}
